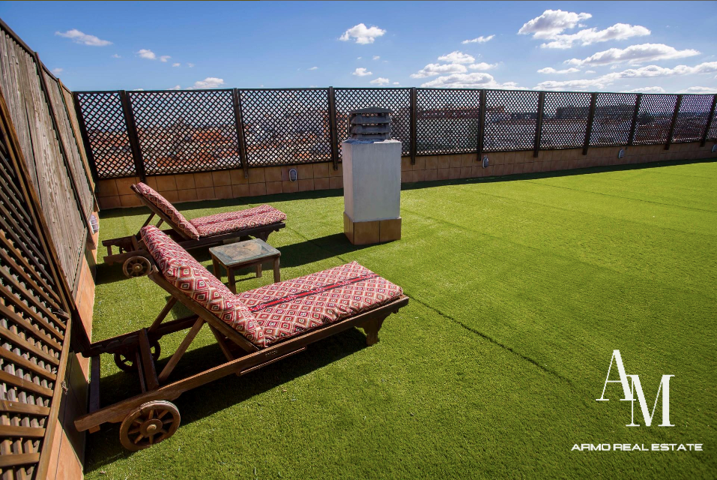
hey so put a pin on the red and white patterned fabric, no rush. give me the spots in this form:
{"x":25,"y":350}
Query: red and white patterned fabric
{"x":270,"y":314}
{"x":239,"y":220}
{"x":168,"y":209}
{"x":293,"y":307}
{"x":195,"y":281}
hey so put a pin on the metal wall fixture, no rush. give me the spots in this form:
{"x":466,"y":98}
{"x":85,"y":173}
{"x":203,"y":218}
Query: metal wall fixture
{"x":621,"y":153}
{"x":485,"y":161}
{"x":293,"y":174}
{"x":714,"y":148}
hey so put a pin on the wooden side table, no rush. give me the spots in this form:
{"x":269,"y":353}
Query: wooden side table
{"x":244,"y":254}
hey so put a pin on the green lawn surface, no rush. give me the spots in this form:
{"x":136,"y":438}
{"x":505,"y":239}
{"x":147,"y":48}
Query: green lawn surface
{"x":520,"y":289}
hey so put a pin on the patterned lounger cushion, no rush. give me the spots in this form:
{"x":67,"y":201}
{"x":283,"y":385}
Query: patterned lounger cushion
{"x":195,"y":281}
{"x":270,"y":314}
{"x":296,"y":306}
{"x":168,"y":209}
{"x":240,"y":220}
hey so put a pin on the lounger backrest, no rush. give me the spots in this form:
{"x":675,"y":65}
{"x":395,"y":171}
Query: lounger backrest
{"x":171,"y":215}
{"x":195,"y":281}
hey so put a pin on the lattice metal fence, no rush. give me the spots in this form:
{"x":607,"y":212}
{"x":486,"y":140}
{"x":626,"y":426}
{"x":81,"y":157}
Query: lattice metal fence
{"x":692,"y":118}
{"x":397,"y":99}
{"x":447,"y":121}
{"x":613,"y":119}
{"x":186,"y":131}
{"x":510,"y":120}
{"x":565,"y":120}
{"x":192,"y":131}
{"x":654,"y":119}
{"x":284,"y":127}
{"x":712,"y":134}
{"x":106,"y":132}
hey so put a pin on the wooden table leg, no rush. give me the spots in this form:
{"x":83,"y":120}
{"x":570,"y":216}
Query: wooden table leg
{"x":232,"y":282}
{"x":215,"y":262}
{"x":258,"y":271}
{"x":277,"y":271}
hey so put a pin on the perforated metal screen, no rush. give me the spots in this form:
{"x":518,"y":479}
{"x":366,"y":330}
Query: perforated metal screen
{"x":283,"y":127}
{"x":692,"y":118}
{"x":186,"y":131}
{"x":510,"y":120}
{"x":654,"y":119}
{"x":565,"y":119}
{"x":107,"y":134}
{"x":447,"y":121}
{"x":613,"y":119}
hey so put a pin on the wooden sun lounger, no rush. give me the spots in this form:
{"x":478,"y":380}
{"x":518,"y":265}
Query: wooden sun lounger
{"x":149,"y":417}
{"x":133,"y":256}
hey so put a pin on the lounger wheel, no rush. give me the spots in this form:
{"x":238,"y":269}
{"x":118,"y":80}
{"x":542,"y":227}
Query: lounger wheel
{"x":149,"y":424}
{"x":136,"y":266}
{"x":127,"y":361}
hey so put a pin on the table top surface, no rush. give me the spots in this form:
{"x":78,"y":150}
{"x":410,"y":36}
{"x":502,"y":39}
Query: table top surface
{"x":242,"y":252}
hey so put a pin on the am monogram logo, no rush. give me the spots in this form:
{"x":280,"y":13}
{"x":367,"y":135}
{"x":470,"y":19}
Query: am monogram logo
{"x":630,"y":388}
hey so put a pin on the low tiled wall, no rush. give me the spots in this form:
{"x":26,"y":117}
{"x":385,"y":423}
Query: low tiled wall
{"x":321,"y":176}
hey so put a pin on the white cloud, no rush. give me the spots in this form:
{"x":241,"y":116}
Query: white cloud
{"x":434,"y":69}
{"x":552,"y":71}
{"x":467,"y":80}
{"x":619,"y":31}
{"x":376,"y":57}
{"x":190,"y":65}
{"x":634,"y":54}
{"x":362,"y":34}
{"x":551,"y":23}
{"x":148,"y":54}
{"x":380,"y":81}
{"x":457,"y":57}
{"x":83,"y":38}
{"x":646,"y":90}
{"x":314,"y":68}
{"x":176,"y":64}
{"x":164,"y":58}
{"x":138,"y":89}
{"x":362,"y":72}
{"x":480,"y":39}
{"x":482,"y":66}
{"x":209,"y":82}
{"x":116,"y":56}
{"x":176,"y":87}
{"x":701,"y":90}
{"x":396,"y":83}
{"x":358,"y":58}
{"x":56,"y":71}
{"x":590,"y":71}
{"x":649,"y":71}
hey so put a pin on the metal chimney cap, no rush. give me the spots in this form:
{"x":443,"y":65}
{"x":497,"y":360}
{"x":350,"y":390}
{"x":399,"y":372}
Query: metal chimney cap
{"x":370,"y":124}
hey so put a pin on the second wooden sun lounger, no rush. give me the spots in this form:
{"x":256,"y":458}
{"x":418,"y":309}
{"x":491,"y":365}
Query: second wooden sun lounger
{"x":200,"y":232}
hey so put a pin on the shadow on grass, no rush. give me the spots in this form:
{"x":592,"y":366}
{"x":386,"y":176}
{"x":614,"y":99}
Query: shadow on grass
{"x":104,"y":447}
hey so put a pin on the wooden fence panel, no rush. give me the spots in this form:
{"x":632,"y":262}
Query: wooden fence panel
{"x":28,"y":110}
{"x":77,"y":168}
{"x":34,"y":321}
{"x":77,"y":132}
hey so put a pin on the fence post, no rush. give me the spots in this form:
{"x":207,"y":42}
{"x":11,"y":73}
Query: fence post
{"x":132,"y":134}
{"x":333,"y":129}
{"x":239,"y":126}
{"x":85,"y":138}
{"x":414,"y":115}
{"x":539,"y":124}
{"x":709,"y":122}
{"x":481,"y":124}
{"x":638,"y":101}
{"x":674,"y":121}
{"x":591,"y":118}
{"x":61,"y":142}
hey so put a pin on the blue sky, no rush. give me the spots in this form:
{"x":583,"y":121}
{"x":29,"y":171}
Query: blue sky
{"x":582,"y":46}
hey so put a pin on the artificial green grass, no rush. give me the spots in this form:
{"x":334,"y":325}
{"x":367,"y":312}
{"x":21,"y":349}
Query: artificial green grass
{"x":520,"y":291}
